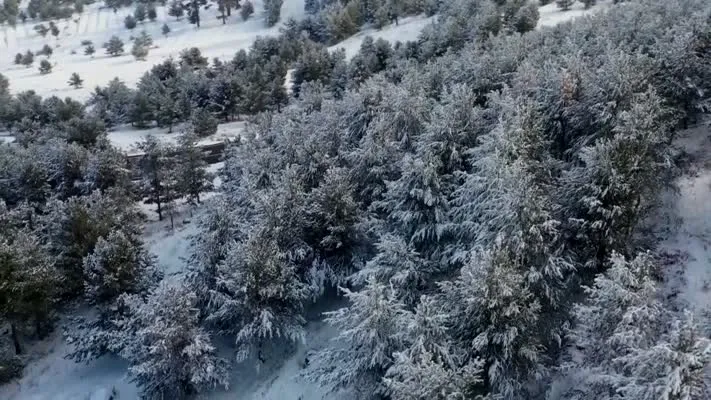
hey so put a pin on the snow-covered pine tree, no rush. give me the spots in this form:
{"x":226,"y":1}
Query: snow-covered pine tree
{"x":157,"y":172}
{"x":493,"y":316}
{"x":176,"y":9}
{"x":170,"y":355}
{"x":261,"y":291}
{"x":105,"y":169}
{"x":335,"y":224}
{"x":370,"y":332}
{"x":621,"y":316}
{"x":508,"y":198}
{"x":119,"y":264}
{"x":28,"y":283}
{"x":429,"y":368}
{"x":45,"y":67}
{"x":75,"y":81}
{"x":203,"y":123}
{"x":619,"y":179}
{"x":273,"y":11}
{"x":114,"y":47}
{"x":192,"y":177}
{"x":671,"y":369}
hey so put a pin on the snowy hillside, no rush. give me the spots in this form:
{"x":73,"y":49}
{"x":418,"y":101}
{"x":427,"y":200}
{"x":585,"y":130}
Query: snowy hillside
{"x":98,"y":24}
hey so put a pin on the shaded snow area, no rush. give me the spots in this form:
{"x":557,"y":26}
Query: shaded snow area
{"x":49,"y":376}
{"x":98,"y":24}
{"x":688,"y":248}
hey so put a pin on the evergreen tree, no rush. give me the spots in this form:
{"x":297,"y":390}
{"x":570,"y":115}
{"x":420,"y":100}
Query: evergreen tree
{"x":176,"y":10}
{"x":27,"y":283}
{"x":370,"y":332}
{"x":225,"y":96}
{"x":28,"y":58}
{"x":53,"y":29}
{"x":130,"y":22}
{"x":151,"y":13}
{"x":114,"y":47}
{"x":191,"y":168}
{"x":493,"y":315}
{"x":589,"y":3}
{"x":45,"y":67}
{"x":89,"y":50}
{"x":203,"y":123}
{"x":18,"y":58}
{"x":119,"y":264}
{"x":45,"y":51}
{"x":246,"y":10}
{"x":185,"y":362}
{"x":273,"y":10}
{"x":194,"y":13}
{"x":165,"y":30}
{"x":75,"y":81}
{"x":141,"y":45}
{"x":156,"y":166}
{"x":139,"y":15}
{"x":564,"y":4}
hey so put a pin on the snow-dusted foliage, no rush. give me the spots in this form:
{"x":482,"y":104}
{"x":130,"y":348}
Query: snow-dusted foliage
{"x":259,"y":295}
{"x":371,"y":330}
{"x":119,"y":264}
{"x":630,"y":344}
{"x":491,"y":312}
{"x":171,"y":356}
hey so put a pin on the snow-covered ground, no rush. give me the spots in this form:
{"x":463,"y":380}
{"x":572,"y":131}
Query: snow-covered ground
{"x":97,"y":24}
{"x":551,"y":15}
{"x":408,"y":29}
{"x":688,"y":246}
{"x":126,"y":137}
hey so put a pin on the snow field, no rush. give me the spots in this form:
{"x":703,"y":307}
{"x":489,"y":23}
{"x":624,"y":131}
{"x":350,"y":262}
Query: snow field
{"x":98,"y":24}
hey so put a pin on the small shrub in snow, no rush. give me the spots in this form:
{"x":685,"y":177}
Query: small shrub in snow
{"x":564,"y":4}
{"x":247,"y":10}
{"x":165,"y":29}
{"x":45,"y":67}
{"x":130,"y":22}
{"x":114,"y":47}
{"x":75,"y":81}
{"x":28,"y":58}
{"x":151,"y":13}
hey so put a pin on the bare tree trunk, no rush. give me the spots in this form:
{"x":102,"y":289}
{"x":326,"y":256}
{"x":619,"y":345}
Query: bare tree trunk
{"x":15,"y":338}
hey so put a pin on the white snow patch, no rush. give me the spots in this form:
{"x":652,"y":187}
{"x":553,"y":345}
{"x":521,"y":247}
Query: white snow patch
{"x":551,"y":15}
{"x":126,"y":137}
{"x":408,"y":29}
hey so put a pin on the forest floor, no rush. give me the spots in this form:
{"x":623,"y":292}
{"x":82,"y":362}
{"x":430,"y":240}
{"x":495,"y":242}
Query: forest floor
{"x":686,"y":245}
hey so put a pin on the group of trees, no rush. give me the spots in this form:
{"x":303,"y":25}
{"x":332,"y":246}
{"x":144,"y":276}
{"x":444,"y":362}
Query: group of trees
{"x":70,"y":229}
{"x":477,"y":196}
{"x":461,"y":200}
{"x":190,"y":89}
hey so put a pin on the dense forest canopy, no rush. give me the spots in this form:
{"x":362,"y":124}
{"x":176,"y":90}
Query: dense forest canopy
{"x":481,"y":199}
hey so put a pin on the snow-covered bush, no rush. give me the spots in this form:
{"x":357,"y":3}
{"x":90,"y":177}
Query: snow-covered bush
{"x":118,"y":265}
